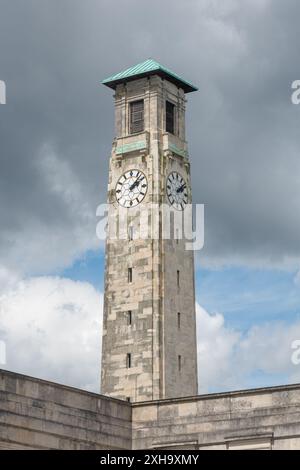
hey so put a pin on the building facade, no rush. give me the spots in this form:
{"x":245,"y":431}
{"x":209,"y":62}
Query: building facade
{"x":149,"y":327}
{"x":37,"y":414}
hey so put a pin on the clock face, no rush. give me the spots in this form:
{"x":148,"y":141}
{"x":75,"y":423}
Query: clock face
{"x":177,"y":191}
{"x":131,"y":188}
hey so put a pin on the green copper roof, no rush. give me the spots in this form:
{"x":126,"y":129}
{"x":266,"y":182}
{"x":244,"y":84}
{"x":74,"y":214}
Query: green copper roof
{"x":144,"y":69}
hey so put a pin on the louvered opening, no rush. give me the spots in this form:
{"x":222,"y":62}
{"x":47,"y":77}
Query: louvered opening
{"x":136,"y":116}
{"x":170,"y":117}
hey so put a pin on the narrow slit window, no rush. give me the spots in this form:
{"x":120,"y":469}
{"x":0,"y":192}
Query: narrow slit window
{"x":170,"y":117}
{"x":178,"y":278}
{"x":130,"y":232}
{"x":136,"y":116}
{"x":179,"y":363}
{"x":178,"y":320}
{"x":128,"y":361}
{"x":129,"y":275}
{"x":129,"y":318}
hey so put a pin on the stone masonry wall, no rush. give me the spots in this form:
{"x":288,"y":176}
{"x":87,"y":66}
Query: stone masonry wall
{"x":36,"y":414}
{"x":266,"y":418}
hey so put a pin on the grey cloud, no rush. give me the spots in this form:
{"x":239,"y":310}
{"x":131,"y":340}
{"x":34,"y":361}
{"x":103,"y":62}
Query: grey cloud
{"x":243,"y":131}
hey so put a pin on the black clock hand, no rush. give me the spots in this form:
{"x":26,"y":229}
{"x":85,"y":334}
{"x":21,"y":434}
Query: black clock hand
{"x":182,"y":187}
{"x":136,"y":183}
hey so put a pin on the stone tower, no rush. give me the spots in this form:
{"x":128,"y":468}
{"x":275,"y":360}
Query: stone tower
{"x":149,"y":328}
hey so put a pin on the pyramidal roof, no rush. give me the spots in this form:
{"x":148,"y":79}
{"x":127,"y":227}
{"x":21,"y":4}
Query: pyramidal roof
{"x":144,"y":69}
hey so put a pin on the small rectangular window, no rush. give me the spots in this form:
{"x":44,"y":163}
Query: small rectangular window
{"x":129,"y":317}
{"x":130,"y":232}
{"x":136,"y":116}
{"x":178,"y":278}
{"x":250,"y":443}
{"x":178,"y":320}
{"x":170,"y":117}
{"x":128,"y":361}
{"x":128,"y":399}
{"x":179,"y":363}
{"x":129,"y":275}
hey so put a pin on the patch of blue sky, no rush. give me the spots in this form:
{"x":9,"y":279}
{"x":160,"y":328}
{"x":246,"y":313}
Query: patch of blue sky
{"x":249,"y":296}
{"x":245,"y":297}
{"x":88,"y":268}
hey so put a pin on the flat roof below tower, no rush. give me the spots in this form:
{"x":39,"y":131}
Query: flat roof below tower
{"x":145,"y":69}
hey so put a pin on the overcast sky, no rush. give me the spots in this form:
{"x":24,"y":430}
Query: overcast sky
{"x":243,"y":132}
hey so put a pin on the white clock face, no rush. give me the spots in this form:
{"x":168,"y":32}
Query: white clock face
{"x":177,"y":191}
{"x":131,"y":188}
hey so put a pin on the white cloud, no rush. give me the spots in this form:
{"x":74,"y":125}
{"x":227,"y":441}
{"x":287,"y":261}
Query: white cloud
{"x":8,"y":278}
{"x":52,"y":329}
{"x":216,"y":344}
{"x":268,"y":348}
{"x":229,"y":360}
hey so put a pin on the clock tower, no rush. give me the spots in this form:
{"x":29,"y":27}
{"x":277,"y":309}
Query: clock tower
{"x":149,"y":346}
